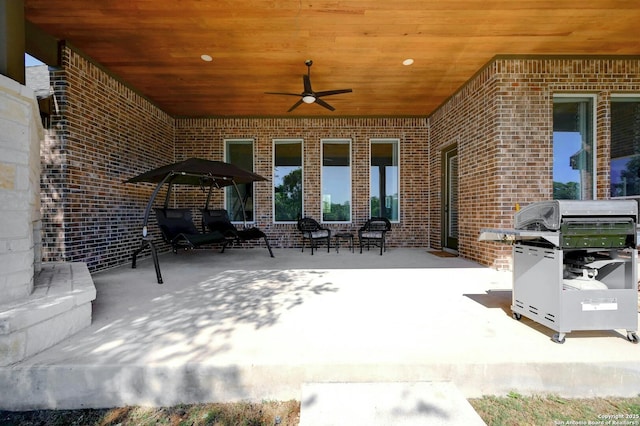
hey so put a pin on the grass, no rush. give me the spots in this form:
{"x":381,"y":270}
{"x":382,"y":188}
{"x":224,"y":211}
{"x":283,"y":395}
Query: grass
{"x":269,"y":413}
{"x":513,"y":409}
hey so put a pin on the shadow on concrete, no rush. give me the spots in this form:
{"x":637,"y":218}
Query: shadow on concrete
{"x":494,"y":299}
{"x":242,"y":325}
{"x":421,"y":409}
{"x":385,"y":403}
{"x":161,"y":344}
{"x":501,"y":299}
{"x":191,"y":322}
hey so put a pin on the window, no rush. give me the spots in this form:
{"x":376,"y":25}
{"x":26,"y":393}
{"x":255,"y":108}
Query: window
{"x":287,"y":180}
{"x":573,"y":148}
{"x":336,"y":180}
{"x":625,"y":146}
{"x":384,"y":179}
{"x":240,"y":153}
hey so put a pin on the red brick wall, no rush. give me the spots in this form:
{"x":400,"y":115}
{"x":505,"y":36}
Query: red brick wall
{"x":205,"y":138}
{"x":102,"y":134}
{"x":502,"y":122}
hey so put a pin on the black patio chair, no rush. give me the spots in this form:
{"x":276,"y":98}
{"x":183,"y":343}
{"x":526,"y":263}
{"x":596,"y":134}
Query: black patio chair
{"x":311,"y":230}
{"x":178,"y":230}
{"x":217,"y":220}
{"x":374,"y":231}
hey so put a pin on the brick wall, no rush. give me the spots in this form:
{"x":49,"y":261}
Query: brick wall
{"x":102,"y":133}
{"x":205,"y":138}
{"x":502,"y":122}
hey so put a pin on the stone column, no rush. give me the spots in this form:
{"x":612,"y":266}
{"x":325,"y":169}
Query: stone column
{"x":20,"y":136}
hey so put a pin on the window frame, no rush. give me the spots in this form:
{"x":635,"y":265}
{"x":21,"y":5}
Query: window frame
{"x":239,"y":141}
{"x":349,"y":142}
{"x":612,"y":99}
{"x":396,"y":143}
{"x":275,"y":142}
{"x":568,"y":97}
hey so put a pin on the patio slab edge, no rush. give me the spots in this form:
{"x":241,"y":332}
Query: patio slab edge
{"x":106,"y":386}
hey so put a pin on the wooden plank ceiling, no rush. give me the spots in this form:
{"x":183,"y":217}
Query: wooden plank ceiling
{"x":155,"y":46}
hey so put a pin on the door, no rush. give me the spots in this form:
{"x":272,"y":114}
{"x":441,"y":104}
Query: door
{"x":450,"y":198}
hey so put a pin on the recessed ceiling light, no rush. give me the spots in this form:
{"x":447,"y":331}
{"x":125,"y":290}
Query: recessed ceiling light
{"x":407,"y":61}
{"x":206,"y":58}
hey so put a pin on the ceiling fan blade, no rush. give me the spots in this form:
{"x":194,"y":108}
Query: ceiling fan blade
{"x":296,"y":105}
{"x":306,"y":81}
{"x":282,"y":93}
{"x":332,"y":92}
{"x":324,"y":104}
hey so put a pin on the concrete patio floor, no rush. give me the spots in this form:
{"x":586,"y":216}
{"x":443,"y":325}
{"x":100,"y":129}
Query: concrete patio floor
{"x":240,"y":325}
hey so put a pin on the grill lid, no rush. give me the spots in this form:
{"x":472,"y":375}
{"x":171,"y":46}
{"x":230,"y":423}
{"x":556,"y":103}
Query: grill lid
{"x":549,"y":215}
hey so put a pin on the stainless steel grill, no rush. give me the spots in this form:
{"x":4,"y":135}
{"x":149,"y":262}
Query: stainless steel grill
{"x":575,"y":265}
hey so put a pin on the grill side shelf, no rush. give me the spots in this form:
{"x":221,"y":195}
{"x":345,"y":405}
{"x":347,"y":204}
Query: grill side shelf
{"x":512,"y":236}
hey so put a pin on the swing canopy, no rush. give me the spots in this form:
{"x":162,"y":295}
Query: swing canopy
{"x":196,"y":171}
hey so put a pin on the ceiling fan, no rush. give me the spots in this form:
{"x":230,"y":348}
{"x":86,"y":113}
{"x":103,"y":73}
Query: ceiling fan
{"x":308,"y":96}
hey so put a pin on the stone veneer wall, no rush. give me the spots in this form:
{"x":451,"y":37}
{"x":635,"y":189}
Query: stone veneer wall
{"x":102,"y":133}
{"x":19,"y":202}
{"x":205,"y":138}
{"x":40,"y":305}
{"x":502,"y":121}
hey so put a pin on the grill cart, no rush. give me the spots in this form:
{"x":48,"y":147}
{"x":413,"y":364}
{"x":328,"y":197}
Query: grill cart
{"x":575,"y":265}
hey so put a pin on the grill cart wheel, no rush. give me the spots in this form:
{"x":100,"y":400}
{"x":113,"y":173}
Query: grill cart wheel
{"x":558,"y":338}
{"x":632,"y":337}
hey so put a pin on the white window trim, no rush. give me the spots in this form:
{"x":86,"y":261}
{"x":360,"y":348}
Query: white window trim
{"x":273,"y":162}
{"x":397,"y":142}
{"x":635,"y":96}
{"x":628,"y":96}
{"x":350,"y":143}
{"x":578,"y":96}
{"x":253,"y":167}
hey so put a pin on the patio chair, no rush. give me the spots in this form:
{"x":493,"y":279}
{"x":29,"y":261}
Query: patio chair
{"x":178,"y":230}
{"x":217,"y":220}
{"x":311,"y":230}
{"x":374,"y":231}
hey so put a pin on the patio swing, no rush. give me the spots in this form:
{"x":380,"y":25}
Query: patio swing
{"x":176,"y":225}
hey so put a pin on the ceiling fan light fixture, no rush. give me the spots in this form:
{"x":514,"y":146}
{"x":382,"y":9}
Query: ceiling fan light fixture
{"x":308,"y":99}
